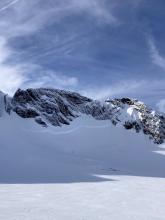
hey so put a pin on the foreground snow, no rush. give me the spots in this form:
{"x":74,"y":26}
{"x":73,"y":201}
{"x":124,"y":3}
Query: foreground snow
{"x":90,"y":170}
{"x":120,"y":198}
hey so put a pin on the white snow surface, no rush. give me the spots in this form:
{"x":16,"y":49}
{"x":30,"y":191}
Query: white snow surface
{"x":90,"y":170}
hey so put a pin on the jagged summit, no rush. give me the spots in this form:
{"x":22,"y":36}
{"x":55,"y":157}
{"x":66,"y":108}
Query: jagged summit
{"x":52,"y":106}
{"x":58,"y":107}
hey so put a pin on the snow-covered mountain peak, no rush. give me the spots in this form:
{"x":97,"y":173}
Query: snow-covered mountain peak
{"x":135,"y":114}
{"x":57,"y":107}
{"x":132,"y":107}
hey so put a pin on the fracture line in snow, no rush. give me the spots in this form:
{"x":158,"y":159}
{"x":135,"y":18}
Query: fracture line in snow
{"x":9,"y":5}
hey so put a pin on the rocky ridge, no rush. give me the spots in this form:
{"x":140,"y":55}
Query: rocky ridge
{"x":58,"y":107}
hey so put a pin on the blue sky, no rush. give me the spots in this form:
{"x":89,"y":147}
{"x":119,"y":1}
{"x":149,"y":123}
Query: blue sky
{"x":100,"y":48}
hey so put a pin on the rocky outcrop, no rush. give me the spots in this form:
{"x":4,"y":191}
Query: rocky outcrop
{"x":52,"y":106}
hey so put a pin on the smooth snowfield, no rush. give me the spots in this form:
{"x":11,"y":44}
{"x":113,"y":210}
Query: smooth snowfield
{"x":87,"y":171}
{"x":125,"y":198}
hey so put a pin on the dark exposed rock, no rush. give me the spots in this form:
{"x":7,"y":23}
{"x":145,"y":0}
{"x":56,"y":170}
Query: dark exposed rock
{"x":130,"y":125}
{"x":41,"y":122}
{"x":26,"y":113}
{"x":54,"y":106}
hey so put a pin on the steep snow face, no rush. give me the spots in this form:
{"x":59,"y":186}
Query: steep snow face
{"x":106,"y":171}
{"x":59,"y":107}
{"x":81,"y":152}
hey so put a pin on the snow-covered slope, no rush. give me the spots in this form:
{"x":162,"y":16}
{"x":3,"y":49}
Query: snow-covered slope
{"x":76,"y":127}
{"x":59,"y":107}
{"x":97,"y":170}
{"x":32,"y":153}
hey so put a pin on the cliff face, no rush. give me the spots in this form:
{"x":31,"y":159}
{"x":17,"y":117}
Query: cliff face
{"x":56,"y":107}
